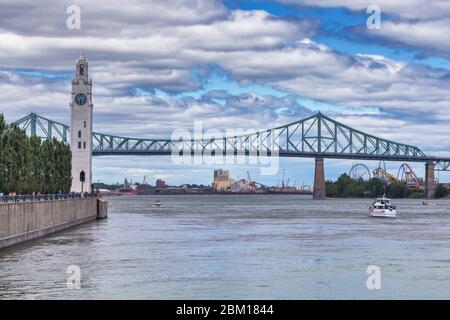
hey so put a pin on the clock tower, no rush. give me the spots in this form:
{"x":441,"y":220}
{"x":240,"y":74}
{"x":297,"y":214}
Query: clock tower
{"x":81,"y":127}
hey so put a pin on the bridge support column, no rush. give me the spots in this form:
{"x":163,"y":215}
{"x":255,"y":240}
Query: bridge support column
{"x":319,"y":180}
{"x":430,"y":186}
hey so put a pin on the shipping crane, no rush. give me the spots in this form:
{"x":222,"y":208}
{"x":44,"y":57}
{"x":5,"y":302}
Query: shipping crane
{"x":251,"y":183}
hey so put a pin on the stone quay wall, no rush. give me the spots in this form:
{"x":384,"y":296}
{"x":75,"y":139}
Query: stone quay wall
{"x":23,"y":221}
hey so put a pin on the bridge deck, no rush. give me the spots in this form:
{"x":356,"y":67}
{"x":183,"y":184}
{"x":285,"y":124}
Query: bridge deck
{"x":317,"y":136}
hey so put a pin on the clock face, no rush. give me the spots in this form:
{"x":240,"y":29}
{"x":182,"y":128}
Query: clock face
{"x":80,"y":99}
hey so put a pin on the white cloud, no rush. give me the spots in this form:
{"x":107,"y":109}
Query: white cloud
{"x":252,"y":46}
{"x":420,"y":24}
{"x":410,"y":9}
{"x":432,"y":37}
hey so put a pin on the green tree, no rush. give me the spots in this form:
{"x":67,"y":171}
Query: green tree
{"x":345,"y":186}
{"x":398,"y":190}
{"x":28,"y":164}
{"x":441,"y":191}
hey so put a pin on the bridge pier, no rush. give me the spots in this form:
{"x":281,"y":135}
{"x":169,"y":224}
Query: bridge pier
{"x":430,"y":186}
{"x":319,"y":180}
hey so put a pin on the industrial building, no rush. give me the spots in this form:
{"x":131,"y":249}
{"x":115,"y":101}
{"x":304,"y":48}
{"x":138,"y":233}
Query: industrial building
{"x":222,"y":180}
{"x":223,"y":183}
{"x":160,"y":183}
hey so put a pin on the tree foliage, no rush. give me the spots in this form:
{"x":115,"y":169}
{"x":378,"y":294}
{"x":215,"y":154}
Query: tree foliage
{"x":29,"y":165}
{"x":441,"y":191}
{"x":345,"y":186}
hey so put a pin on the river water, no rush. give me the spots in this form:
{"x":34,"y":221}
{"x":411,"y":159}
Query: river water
{"x":241,"y":247}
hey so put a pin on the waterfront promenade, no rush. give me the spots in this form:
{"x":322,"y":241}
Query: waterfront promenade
{"x":45,"y":197}
{"x":23,"y":218}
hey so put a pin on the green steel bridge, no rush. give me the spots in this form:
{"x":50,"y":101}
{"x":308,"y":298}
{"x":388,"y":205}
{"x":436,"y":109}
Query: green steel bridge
{"x":317,"y":136}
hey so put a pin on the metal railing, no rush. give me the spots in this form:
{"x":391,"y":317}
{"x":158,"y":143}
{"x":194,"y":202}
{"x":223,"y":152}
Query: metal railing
{"x":45,"y":197}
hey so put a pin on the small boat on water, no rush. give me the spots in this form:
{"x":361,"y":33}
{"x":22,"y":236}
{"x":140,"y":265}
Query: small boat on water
{"x":382,"y":207}
{"x":157,"y":203}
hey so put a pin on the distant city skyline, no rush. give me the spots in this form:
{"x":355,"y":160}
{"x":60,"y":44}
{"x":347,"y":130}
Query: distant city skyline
{"x":233,"y":64}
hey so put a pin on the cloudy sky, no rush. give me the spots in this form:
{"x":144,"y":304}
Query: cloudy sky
{"x":161,"y":65}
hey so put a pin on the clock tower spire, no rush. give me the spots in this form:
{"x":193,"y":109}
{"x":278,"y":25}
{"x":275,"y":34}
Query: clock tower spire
{"x":81,"y":127}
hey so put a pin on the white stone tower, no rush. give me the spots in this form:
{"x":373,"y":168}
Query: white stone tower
{"x":81,"y":127}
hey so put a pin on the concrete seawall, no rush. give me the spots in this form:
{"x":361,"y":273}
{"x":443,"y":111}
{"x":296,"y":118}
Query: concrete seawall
{"x":24,"y":221}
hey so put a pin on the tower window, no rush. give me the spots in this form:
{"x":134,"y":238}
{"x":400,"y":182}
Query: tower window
{"x":84,"y":145}
{"x":79,"y":145}
{"x":81,"y":70}
{"x":79,"y":134}
{"x":84,"y":124}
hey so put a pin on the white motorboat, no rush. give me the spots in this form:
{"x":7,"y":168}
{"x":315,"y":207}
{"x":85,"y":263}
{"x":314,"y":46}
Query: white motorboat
{"x":157,"y":203}
{"x":382,"y":207}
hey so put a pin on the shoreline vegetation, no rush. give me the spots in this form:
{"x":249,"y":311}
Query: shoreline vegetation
{"x":346,"y":187}
{"x":32,"y":165}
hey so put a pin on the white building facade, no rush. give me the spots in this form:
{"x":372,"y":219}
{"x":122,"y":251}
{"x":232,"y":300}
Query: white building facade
{"x":81,"y":107}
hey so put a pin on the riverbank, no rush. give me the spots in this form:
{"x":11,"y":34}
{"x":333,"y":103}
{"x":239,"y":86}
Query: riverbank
{"x":194,"y":193}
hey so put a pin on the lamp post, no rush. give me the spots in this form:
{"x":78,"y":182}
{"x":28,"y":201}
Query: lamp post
{"x":82,"y":180}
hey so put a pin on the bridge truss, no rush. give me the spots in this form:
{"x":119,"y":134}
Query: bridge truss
{"x":315,"y":136}
{"x":36,"y":125}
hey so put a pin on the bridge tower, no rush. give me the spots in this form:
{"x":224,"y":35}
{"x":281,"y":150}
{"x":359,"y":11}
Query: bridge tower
{"x":319,"y":192}
{"x":430,"y":184}
{"x":81,"y":127}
